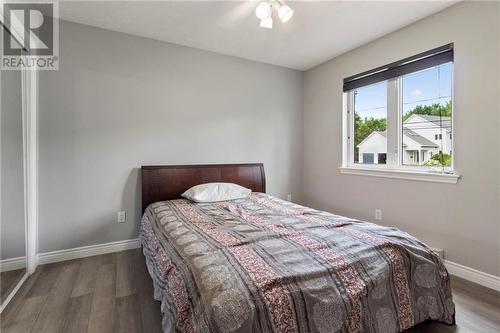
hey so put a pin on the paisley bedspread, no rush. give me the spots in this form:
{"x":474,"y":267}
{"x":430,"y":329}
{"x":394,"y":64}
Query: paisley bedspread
{"x":261,"y":264}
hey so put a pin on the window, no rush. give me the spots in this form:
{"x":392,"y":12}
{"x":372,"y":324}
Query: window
{"x":399,"y":117}
{"x":370,"y":120}
{"x":367,"y":158}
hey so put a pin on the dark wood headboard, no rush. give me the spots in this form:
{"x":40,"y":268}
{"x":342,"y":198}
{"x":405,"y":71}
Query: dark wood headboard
{"x":168,"y":182}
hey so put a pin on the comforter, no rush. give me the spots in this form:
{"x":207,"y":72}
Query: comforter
{"x":261,"y":264}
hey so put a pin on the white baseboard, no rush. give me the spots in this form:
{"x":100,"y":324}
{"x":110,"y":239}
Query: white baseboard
{"x":473,"y":275}
{"x":12,"y":264}
{"x":87,"y":251}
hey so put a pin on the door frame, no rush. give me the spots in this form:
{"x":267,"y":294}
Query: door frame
{"x":29,"y":79}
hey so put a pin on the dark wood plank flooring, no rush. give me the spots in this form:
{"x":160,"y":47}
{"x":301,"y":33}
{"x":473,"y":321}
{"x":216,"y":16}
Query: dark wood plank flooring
{"x":114,"y":293}
{"x":106,"y":293}
{"x":8,"y":281}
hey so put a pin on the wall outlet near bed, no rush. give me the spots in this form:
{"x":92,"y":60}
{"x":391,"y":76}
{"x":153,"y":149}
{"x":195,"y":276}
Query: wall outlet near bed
{"x":289,"y":197}
{"x":120,"y":217}
{"x":378,"y":214}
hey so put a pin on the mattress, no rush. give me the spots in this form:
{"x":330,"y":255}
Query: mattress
{"x":261,"y":264}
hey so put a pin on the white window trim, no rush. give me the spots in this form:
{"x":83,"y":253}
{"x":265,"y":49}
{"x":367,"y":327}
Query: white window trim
{"x":425,"y":176}
{"x":393,"y":168}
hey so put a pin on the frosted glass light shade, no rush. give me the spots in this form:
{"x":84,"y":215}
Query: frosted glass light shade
{"x":285,"y":13}
{"x":263,"y":10}
{"x":267,"y":23}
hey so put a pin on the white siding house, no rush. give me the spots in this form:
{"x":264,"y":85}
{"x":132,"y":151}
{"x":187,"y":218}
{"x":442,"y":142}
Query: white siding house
{"x":373,"y":149}
{"x":423,"y":137}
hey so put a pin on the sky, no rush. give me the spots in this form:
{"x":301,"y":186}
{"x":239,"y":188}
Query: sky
{"x":426,"y":87}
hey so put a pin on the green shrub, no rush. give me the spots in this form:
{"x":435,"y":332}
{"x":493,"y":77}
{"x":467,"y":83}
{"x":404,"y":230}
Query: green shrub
{"x":442,"y":160}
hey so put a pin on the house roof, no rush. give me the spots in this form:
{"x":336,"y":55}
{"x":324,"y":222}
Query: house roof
{"x":383,"y":133}
{"x":419,"y":139}
{"x":434,"y":118}
{"x":439,"y":121}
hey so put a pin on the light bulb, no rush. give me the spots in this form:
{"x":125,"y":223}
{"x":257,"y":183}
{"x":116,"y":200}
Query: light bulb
{"x":267,"y":23}
{"x":263,"y":10}
{"x":285,"y":13}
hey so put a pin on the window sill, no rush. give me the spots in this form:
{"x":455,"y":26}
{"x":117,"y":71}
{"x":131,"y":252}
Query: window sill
{"x":424,"y":176}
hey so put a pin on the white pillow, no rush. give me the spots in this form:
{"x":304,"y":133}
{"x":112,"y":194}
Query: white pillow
{"x":212,"y":192}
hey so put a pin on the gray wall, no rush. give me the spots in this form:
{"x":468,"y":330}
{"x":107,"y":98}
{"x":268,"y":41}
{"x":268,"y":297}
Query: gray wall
{"x":120,"y":101}
{"x":464,"y":219}
{"x":11,"y":178}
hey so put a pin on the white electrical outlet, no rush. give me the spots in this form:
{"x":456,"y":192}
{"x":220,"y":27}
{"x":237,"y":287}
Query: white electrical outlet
{"x":378,"y":214}
{"x":120,"y":217}
{"x":289,"y":197}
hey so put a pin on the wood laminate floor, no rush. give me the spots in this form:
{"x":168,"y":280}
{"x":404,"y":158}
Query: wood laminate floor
{"x":8,"y":281}
{"x":114,"y":293}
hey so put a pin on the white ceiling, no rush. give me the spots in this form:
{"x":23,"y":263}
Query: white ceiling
{"x":318,"y":31}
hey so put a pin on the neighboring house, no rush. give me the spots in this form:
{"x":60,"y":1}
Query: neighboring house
{"x":423,"y":137}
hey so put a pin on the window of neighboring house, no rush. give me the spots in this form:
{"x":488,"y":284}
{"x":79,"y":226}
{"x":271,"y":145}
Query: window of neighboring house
{"x":367,"y":158}
{"x":393,"y":113}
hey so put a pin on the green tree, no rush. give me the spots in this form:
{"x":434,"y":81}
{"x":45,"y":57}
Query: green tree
{"x":435,"y":109}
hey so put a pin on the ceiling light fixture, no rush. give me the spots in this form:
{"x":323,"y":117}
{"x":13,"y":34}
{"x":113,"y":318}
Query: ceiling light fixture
{"x":264,"y":12}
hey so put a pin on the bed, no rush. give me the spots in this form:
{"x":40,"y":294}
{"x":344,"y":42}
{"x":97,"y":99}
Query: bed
{"x":261,"y":264}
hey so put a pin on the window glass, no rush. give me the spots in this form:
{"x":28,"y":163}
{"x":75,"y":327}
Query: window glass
{"x":426,"y":119}
{"x":404,"y":122}
{"x":382,"y":158}
{"x":370,"y":124}
{"x":367,"y":158}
